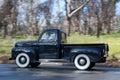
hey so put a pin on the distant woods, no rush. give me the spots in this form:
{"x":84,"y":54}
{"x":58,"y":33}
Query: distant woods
{"x":29,"y":17}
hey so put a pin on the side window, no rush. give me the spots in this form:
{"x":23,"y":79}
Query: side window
{"x":49,"y":36}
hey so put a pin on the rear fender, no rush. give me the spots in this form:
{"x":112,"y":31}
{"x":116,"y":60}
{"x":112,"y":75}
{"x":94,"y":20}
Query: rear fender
{"x":93,"y":54}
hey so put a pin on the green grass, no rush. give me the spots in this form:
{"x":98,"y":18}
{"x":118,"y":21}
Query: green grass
{"x":113,"y":40}
{"x":7,"y":44}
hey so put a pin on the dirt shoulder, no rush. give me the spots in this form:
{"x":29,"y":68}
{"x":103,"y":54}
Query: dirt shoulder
{"x":4,"y":59}
{"x":110,"y":63}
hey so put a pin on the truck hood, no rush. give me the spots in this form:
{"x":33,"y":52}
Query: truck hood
{"x":26,"y":43}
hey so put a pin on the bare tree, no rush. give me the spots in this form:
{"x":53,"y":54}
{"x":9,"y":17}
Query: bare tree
{"x":32,"y":16}
{"x":6,"y":8}
{"x":14,"y":15}
{"x":108,"y":12}
{"x":84,"y":16}
{"x":70,"y":13}
{"x":101,"y":13}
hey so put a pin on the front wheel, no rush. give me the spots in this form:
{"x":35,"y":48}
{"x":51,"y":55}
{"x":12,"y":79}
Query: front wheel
{"x":82,"y":62}
{"x":23,"y":60}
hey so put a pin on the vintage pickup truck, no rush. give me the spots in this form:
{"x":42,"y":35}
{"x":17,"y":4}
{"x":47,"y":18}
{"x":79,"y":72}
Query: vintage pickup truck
{"x":51,"y":46}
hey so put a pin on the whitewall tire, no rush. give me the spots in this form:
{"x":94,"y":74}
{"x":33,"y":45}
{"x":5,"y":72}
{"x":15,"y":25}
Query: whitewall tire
{"x":82,"y":62}
{"x":23,"y":60}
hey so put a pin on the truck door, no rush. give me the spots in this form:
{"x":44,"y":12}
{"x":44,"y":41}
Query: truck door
{"x":49,"y":48}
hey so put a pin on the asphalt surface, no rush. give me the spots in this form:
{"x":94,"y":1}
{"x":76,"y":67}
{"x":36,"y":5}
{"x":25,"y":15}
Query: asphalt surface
{"x":57,"y":72}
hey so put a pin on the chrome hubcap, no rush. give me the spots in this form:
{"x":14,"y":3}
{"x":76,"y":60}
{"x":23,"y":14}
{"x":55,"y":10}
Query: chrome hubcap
{"x":22,"y":59}
{"x":82,"y":61}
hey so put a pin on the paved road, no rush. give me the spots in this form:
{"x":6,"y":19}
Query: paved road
{"x":57,"y":72}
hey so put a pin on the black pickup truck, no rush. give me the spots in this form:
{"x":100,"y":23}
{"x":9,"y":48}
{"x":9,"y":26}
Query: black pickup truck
{"x":51,"y":46}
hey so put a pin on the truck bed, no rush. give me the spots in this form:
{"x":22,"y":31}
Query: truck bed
{"x":69,"y":48}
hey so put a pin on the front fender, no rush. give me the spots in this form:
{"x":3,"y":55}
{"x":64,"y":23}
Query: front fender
{"x":28,"y":50}
{"x":93,"y":54}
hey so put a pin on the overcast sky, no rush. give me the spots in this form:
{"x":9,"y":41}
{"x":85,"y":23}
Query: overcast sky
{"x":118,"y":8}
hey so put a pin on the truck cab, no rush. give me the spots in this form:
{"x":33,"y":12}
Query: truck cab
{"x":50,"y":44}
{"x":51,"y":47}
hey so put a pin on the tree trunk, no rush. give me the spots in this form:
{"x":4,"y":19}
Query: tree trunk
{"x":14,"y":31}
{"x":98,"y":29}
{"x":5,"y":30}
{"x":109,"y":27}
{"x":69,"y":26}
{"x":36,"y":27}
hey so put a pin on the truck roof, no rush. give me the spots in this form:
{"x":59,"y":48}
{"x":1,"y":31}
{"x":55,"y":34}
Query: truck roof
{"x":55,"y":29}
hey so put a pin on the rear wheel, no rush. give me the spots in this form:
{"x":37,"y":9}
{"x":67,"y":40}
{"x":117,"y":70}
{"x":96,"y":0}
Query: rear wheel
{"x":82,"y":62}
{"x":35,"y":64}
{"x":23,"y":60}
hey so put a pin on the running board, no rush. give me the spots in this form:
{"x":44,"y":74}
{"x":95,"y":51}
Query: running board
{"x":53,"y":60}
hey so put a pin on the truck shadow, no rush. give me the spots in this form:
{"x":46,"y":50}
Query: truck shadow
{"x":69,"y":69}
